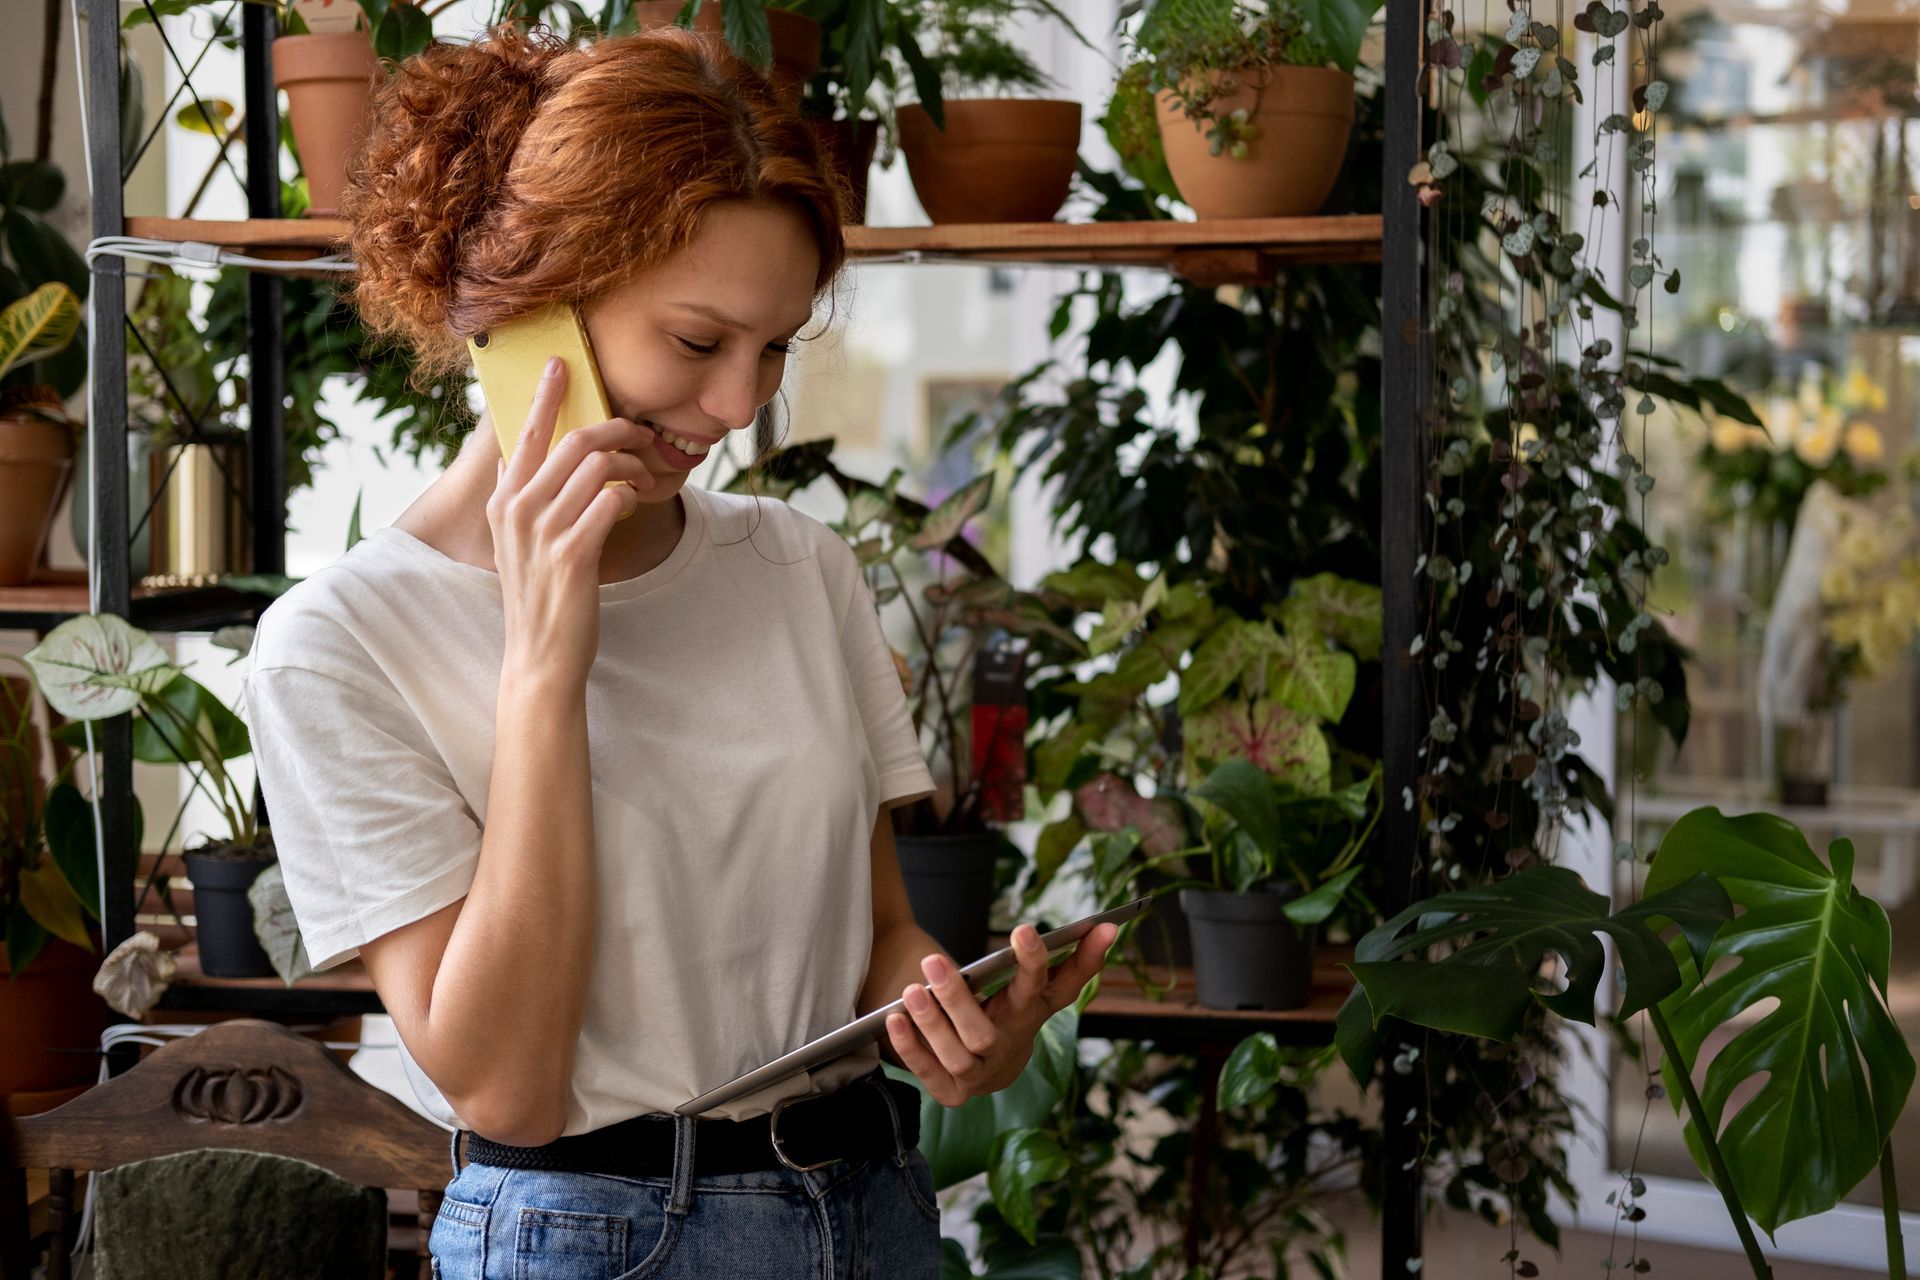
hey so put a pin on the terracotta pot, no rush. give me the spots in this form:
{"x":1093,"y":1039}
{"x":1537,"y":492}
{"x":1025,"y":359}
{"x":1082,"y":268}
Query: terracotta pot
{"x":999,"y":159}
{"x":1304,"y":115}
{"x":796,"y":40}
{"x":35,"y":459}
{"x":329,"y":81}
{"x":52,"y":1018}
{"x":848,"y":145}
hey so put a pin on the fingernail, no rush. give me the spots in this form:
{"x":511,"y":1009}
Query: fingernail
{"x":553,"y":366}
{"x":935,"y":967}
{"x":917,"y":999}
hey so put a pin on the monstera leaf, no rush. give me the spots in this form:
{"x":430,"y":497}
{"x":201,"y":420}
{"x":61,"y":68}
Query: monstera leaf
{"x":1503,"y":932}
{"x":1835,"y":1068}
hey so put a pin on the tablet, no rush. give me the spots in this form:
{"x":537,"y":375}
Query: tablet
{"x":987,"y":975}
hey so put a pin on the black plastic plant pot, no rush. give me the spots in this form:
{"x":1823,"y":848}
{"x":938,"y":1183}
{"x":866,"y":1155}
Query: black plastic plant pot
{"x":228,"y":946}
{"x":950,"y":885}
{"x":1246,"y":953}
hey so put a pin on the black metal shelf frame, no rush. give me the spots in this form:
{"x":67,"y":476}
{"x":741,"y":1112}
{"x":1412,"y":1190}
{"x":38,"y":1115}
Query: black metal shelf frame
{"x":1406,"y":445}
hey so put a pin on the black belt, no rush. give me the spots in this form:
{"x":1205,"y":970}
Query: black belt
{"x":851,"y":1123}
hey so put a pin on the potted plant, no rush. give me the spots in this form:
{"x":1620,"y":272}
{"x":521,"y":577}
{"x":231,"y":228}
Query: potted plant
{"x":1252,"y":105}
{"x":97,"y":666}
{"x":1281,"y":861}
{"x":985,"y":150}
{"x":36,"y":437}
{"x":327,"y":57}
{"x":48,"y":916}
{"x":782,"y":42}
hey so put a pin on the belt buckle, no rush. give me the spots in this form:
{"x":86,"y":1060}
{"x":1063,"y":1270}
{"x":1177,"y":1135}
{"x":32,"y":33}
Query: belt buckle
{"x":773,"y":1132}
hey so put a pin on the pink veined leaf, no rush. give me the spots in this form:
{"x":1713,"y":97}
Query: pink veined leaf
{"x":1286,"y":744}
{"x":1109,"y":803}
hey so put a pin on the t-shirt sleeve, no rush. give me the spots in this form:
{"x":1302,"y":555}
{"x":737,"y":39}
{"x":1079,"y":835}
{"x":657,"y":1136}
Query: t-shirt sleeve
{"x":904,"y":776}
{"x":370,"y":830}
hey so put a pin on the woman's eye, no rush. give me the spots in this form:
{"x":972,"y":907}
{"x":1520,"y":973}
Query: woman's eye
{"x":696,"y":347}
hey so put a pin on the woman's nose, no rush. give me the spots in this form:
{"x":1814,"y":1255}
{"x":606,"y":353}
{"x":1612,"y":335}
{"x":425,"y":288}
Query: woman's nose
{"x":732,"y":394}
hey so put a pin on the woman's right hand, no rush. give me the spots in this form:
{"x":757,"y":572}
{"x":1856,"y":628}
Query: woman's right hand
{"x":550,"y":513}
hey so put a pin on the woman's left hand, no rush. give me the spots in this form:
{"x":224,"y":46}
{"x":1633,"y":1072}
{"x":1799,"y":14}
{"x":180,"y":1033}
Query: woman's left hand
{"x":961,"y":1048}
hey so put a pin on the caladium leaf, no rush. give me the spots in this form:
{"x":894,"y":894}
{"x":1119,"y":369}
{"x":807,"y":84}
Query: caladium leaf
{"x":1288,"y":745}
{"x":1836,"y":1069}
{"x":97,"y":666}
{"x":1309,"y":677}
{"x":1219,"y":662}
{"x":274,"y":925}
{"x":1342,"y":610}
{"x":1502,"y":934}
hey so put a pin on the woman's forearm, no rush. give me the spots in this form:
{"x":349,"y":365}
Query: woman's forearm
{"x":511,"y":992}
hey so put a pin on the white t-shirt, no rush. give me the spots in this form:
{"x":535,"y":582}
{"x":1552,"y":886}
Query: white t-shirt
{"x":746,"y":723}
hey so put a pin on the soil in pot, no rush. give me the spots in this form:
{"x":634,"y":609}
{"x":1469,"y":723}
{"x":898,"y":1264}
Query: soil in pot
{"x":950,"y":881}
{"x":1304,"y":115}
{"x":36,"y":459}
{"x":1246,"y":953}
{"x":52,"y":1020}
{"x":795,"y":37}
{"x":998,"y":160}
{"x":329,"y":81}
{"x":222,"y":913}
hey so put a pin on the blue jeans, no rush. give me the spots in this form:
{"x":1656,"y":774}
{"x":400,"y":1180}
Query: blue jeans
{"x":875,"y":1217}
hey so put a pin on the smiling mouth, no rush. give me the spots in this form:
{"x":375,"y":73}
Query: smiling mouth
{"x":685,"y":444}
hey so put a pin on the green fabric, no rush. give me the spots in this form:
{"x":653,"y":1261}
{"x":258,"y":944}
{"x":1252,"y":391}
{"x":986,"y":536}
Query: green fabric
{"x":235,"y":1215}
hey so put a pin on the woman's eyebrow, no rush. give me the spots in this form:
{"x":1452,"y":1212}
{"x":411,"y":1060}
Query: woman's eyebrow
{"x":728,"y":322}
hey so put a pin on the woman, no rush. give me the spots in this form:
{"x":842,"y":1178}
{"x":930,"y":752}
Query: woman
{"x":601,"y":802}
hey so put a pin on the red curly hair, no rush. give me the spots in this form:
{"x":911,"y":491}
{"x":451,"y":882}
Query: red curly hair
{"x":518,"y":170}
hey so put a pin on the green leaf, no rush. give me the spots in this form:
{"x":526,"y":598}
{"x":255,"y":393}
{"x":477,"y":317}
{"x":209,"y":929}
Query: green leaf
{"x":866,"y":22}
{"x":50,"y":900}
{"x":944,"y":522}
{"x":353,"y":521}
{"x":1307,"y":676}
{"x":1051,"y":848}
{"x":1312,"y":908}
{"x":67,"y":821}
{"x":959,"y":1141}
{"x":205,"y":115}
{"x":1218,"y":663}
{"x":32,"y":184}
{"x":97,"y":666}
{"x":43,"y":255}
{"x":1338,"y":608}
{"x":1502,"y":934}
{"x":1341,"y":26}
{"x":1832,"y":1066}
{"x":274,"y":925}
{"x":25,"y":938}
{"x":745,"y":25}
{"x":405,"y":30}
{"x":1091,"y":584}
{"x":217,"y":733}
{"x":926,"y":77}
{"x":1245,"y":793}
{"x":1050,"y":1257}
{"x":1288,"y":745}
{"x":37,"y":326}
{"x":1023,"y":1161}
{"x":1251,"y":1070}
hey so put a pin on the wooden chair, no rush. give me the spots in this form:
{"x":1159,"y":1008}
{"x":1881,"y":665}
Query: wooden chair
{"x":244,"y":1084}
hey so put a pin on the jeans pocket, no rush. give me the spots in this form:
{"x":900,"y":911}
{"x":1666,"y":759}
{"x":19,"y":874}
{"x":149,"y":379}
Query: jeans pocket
{"x":571,"y":1226}
{"x":457,"y":1240}
{"x":918,"y":1175}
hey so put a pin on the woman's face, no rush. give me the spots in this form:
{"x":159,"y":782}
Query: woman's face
{"x":694,"y":346}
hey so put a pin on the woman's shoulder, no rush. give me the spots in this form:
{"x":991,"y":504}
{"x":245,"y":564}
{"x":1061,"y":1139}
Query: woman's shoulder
{"x":331,"y":621}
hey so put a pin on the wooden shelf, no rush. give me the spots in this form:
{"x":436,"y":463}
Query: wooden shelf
{"x":51,"y":599}
{"x":1215,"y":251}
{"x":1120,"y":1011}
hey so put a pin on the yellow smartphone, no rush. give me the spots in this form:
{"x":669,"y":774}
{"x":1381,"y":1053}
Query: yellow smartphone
{"x":510,"y":359}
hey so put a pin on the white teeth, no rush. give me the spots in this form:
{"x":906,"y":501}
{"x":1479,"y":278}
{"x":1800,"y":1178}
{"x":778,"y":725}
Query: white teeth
{"x":691,"y":448}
